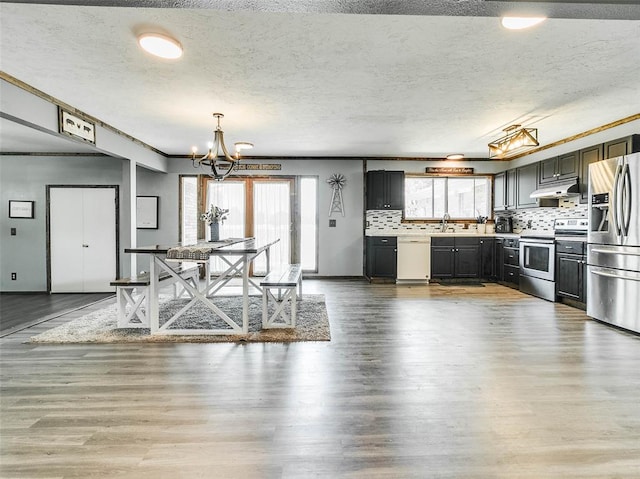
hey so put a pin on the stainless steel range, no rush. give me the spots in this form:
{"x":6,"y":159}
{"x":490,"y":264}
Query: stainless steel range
{"x":538,"y":252}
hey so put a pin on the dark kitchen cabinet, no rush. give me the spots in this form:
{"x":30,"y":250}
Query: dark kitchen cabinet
{"x":587,"y":156}
{"x":571,"y":270}
{"x":487,"y":258}
{"x":500,"y":191}
{"x":455,"y":258}
{"x":385,"y":190}
{"x":498,"y":259}
{"x":511,"y":261}
{"x":381,"y":257}
{"x":527,"y":183}
{"x":621,"y":146}
{"x":442,"y":257}
{"x":559,"y":168}
{"x":504,"y":190}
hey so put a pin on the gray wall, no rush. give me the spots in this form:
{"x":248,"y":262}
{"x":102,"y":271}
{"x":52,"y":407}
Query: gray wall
{"x":25,"y":178}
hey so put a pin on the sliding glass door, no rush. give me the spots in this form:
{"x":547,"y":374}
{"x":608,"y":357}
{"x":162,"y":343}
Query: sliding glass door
{"x":266,"y":208}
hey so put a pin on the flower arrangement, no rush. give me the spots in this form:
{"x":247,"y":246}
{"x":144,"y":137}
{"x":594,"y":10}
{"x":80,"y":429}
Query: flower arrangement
{"x":214,"y":215}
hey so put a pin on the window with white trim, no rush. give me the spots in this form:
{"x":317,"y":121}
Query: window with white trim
{"x":463,"y":198}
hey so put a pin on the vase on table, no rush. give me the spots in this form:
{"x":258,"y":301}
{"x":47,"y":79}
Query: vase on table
{"x":215,"y":231}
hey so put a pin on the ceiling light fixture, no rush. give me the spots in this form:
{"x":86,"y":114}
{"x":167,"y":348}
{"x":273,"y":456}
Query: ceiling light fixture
{"x":455,"y":156}
{"x":221,"y":166}
{"x":160,"y":45}
{"x":519,"y":23}
{"x":516,"y":139}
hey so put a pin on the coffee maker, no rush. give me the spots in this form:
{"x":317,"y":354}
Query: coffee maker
{"x":504,"y":224}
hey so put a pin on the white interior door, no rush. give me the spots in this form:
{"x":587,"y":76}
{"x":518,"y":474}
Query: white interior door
{"x":82,"y":239}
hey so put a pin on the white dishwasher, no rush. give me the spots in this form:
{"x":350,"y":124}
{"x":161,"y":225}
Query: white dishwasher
{"x":414,"y":259}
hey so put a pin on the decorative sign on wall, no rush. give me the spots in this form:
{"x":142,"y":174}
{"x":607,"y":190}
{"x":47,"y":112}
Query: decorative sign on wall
{"x":147,"y":212}
{"x":254,"y":166}
{"x":449,"y":171}
{"x":336,"y":182}
{"x":76,"y":127}
{"x":21,"y":209}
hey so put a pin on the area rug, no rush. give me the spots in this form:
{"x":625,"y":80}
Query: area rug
{"x":312,"y":324}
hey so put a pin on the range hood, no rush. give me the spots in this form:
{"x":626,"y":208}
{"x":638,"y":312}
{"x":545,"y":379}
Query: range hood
{"x":558,"y":190}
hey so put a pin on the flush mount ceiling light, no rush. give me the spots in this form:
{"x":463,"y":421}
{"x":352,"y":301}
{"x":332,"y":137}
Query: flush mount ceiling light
{"x":160,"y":45}
{"x":515,"y":140}
{"x":519,"y":23}
{"x":455,"y":156}
{"x":221,"y":166}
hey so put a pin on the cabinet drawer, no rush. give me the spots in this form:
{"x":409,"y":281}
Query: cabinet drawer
{"x":511,"y":274}
{"x":444,"y":241}
{"x":570,"y":247}
{"x":511,"y":243}
{"x":465,"y":241}
{"x":512,"y":257}
{"x":383,"y":240}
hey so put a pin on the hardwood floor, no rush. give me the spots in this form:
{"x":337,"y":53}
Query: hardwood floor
{"x":417,"y":382}
{"x":20,"y":310}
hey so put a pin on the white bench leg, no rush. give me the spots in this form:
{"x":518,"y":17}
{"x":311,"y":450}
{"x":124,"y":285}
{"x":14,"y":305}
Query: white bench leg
{"x":139,"y":306}
{"x":280,"y":318}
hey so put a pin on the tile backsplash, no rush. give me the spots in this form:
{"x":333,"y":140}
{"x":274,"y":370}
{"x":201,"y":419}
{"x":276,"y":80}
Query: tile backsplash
{"x":385,"y":222}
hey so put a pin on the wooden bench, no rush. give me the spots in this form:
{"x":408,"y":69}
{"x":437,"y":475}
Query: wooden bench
{"x":132,"y":294}
{"x":287,"y":278}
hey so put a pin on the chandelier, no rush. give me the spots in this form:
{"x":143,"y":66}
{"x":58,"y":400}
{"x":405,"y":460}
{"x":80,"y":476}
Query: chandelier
{"x":221,"y":165}
{"x":516,"y":139}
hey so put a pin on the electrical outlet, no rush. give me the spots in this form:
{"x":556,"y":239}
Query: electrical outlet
{"x":332,"y":223}
{"x":13,"y":231}
{"x":14,"y":276}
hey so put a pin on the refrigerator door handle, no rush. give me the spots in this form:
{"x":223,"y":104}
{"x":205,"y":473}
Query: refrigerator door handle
{"x":626,"y":198}
{"x":616,"y":252}
{"x":614,"y":275}
{"x":616,"y":200}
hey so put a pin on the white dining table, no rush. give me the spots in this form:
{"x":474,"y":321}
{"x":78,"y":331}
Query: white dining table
{"x":236,"y":253}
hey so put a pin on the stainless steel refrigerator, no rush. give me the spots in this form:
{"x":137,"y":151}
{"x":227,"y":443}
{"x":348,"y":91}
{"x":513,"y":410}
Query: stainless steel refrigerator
{"x":613,"y":254}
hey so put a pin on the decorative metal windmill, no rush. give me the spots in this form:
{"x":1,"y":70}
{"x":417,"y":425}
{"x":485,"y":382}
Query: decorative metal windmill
{"x":337,"y":182}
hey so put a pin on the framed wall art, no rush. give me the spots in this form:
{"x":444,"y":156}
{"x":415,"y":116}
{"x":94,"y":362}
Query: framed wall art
{"x":21,"y":209}
{"x":147,"y":212}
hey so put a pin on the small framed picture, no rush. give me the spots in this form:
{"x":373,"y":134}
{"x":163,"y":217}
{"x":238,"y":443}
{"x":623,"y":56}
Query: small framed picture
{"x":147,"y":212}
{"x":21,"y":209}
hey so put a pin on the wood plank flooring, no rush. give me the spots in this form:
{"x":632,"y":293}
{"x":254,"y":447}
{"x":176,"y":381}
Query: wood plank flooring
{"x":20,"y":310}
{"x":417,"y":382}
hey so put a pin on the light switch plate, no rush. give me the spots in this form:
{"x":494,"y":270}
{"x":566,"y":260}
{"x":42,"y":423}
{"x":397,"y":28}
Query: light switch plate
{"x":332,"y":223}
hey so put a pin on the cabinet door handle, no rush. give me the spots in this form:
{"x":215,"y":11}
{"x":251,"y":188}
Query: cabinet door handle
{"x":384,"y":241}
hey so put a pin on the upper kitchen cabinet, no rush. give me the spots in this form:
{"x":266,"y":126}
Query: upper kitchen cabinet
{"x":527,"y":183}
{"x":504,"y":190}
{"x":559,"y":168}
{"x":622,"y":146}
{"x":588,"y":156}
{"x":385,"y":190}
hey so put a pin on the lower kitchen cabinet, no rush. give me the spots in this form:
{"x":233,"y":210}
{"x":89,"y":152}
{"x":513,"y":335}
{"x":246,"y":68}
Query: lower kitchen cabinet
{"x":381,"y":257}
{"x":511,"y":261}
{"x":487,"y":258}
{"x":455,"y":257}
{"x":571,"y":270}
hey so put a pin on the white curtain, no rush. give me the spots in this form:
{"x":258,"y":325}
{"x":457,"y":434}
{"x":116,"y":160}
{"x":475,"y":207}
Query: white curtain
{"x":272,"y":220}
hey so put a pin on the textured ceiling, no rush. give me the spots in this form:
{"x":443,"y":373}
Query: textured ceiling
{"x":325,"y":84}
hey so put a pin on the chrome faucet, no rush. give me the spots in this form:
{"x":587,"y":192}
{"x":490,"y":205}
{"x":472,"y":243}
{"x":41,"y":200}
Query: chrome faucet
{"x":445,"y":218}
